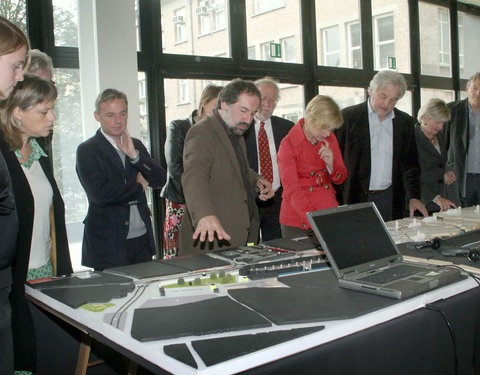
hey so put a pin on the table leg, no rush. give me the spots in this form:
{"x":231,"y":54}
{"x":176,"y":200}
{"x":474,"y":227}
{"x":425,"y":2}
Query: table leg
{"x":83,"y":355}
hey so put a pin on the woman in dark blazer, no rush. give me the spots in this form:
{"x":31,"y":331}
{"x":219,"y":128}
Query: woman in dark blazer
{"x":13,"y":55}
{"x":42,"y":248}
{"x":432,"y":155}
{"x":172,"y":191}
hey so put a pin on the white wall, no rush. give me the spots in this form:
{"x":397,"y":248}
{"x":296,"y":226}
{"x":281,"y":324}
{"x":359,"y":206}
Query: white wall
{"x":108,"y":57}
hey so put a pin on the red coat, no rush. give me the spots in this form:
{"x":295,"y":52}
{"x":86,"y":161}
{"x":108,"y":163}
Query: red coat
{"x":307,"y":184}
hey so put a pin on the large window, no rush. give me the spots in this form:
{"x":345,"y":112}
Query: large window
{"x":391,"y":35}
{"x":211,"y":16}
{"x":435,"y":40}
{"x":188,"y":96}
{"x":469,"y":53}
{"x":291,"y":104}
{"x":289,"y":49}
{"x":179,"y":23}
{"x":354,"y":45}
{"x":16,"y":12}
{"x":384,"y":42}
{"x":266,"y":49}
{"x":183,"y":93}
{"x":444,"y":41}
{"x":339,"y":37}
{"x":405,"y":104}
{"x":275,"y":33}
{"x":331,"y":46}
{"x":66,"y":138}
{"x":192,"y":27}
{"x":344,"y":96}
{"x":261,"y":6}
{"x":143,"y":98}
{"x":252,"y":53}
{"x":273,"y":30}
{"x":65,"y":23}
{"x":446,"y":95}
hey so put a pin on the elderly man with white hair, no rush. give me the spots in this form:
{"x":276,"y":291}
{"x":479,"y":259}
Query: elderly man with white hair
{"x":378,"y":147}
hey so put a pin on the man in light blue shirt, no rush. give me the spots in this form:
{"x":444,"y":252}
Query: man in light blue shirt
{"x":379,"y":150}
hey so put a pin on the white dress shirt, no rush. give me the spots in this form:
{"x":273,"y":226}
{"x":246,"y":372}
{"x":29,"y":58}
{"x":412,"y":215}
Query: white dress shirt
{"x":381,"y":149}
{"x":42,"y":197}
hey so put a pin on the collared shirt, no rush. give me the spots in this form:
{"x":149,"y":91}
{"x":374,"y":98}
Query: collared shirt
{"x":273,"y":150}
{"x":381,"y":149}
{"x":35,"y":154}
{"x":242,"y":161}
{"x":42,"y":193}
{"x":136,"y":227}
{"x":110,"y":139}
{"x":473,"y":155}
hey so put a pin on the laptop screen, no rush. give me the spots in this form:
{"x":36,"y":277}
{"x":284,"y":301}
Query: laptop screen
{"x":354,"y":234}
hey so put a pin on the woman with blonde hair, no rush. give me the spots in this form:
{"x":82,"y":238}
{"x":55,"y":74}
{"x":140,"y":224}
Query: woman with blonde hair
{"x":172,"y":191}
{"x":42,"y":247}
{"x":432,"y":155}
{"x":310,"y":162}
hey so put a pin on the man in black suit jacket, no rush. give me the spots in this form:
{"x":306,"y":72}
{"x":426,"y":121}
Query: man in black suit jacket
{"x":462,"y":139}
{"x":276,"y":128}
{"x":378,"y":147}
{"x":115,"y":170}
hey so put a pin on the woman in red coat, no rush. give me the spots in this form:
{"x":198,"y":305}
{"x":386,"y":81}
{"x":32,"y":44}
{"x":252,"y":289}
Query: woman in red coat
{"x":310,"y":161}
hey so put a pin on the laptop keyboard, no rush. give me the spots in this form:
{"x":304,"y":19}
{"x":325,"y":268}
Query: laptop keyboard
{"x":390,"y":274}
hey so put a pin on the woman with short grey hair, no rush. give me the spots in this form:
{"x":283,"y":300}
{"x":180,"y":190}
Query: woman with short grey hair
{"x":432,"y":155}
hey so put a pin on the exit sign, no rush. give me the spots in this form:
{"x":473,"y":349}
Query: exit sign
{"x":275,"y":50}
{"x":392,"y":62}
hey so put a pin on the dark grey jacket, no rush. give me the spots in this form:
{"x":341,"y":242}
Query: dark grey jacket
{"x":111,"y":187}
{"x":432,"y":166}
{"x":456,"y":141}
{"x":176,"y":134}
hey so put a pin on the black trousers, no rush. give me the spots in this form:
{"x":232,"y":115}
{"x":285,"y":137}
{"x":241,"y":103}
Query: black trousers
{"x":472,"y":191}
{"x":138,"y":250}
{"x":384,"y":202}
{"x":6,"y":341}
{"x":269,"y":212}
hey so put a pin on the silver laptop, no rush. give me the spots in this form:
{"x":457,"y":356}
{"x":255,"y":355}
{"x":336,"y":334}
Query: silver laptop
{"x":365,"y":258}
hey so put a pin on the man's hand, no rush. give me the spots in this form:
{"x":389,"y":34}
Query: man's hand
{"x":207,"y":227}
{"x":415,"y":204}
{"x":265,"y":189}
{"x":125,"y":144}
{"x":444,"y":203}
{"x":141,"y":180}
{"x":449,"y":177}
